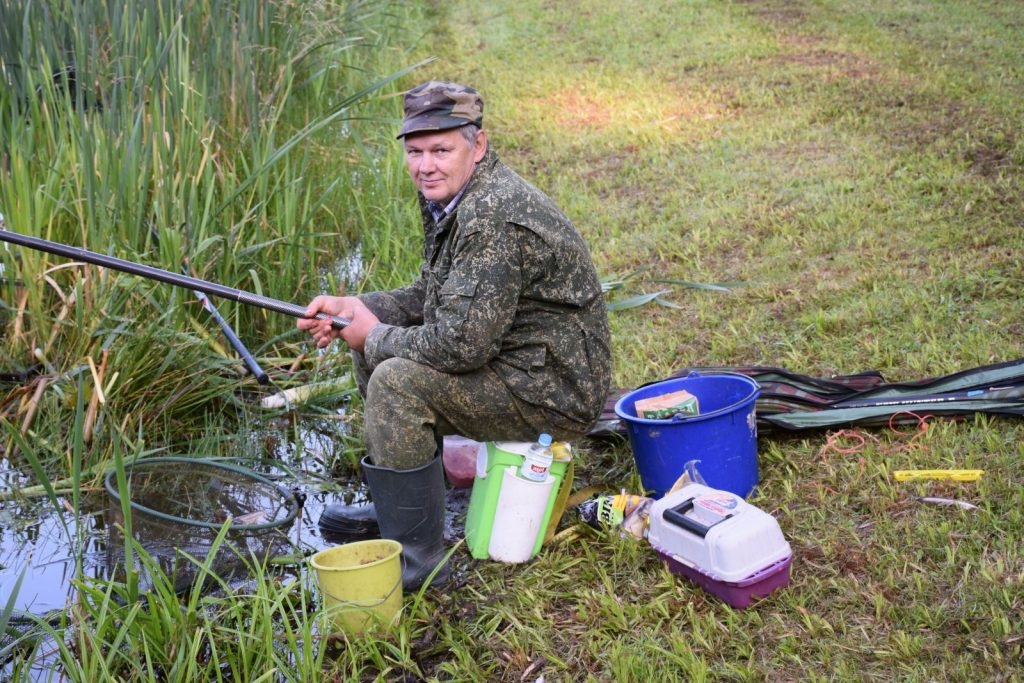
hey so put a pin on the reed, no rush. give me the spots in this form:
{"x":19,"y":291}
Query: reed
{"x":179,"y":134}
{"x":256,"y":630}
{"x":225,"y":139}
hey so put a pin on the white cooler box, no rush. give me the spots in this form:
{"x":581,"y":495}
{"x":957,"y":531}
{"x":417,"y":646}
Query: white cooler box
{"x":727,"y":546}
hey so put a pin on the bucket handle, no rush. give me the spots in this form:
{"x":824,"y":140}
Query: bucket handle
{"x":677,"y":516}
{"x":345,"y":605}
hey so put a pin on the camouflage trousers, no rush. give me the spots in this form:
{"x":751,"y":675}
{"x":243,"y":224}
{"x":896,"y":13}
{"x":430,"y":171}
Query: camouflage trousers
{"x":410,"y":407}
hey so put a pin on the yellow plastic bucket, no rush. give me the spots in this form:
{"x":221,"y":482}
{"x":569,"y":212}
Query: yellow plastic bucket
{"x":360,"y":583}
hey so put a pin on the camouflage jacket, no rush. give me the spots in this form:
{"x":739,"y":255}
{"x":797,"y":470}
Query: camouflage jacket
{"x":506,"y":282}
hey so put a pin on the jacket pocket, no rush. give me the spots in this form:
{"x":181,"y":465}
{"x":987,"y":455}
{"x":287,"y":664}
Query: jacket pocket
{"x":455,"y":295}
{"x":527,"y":358}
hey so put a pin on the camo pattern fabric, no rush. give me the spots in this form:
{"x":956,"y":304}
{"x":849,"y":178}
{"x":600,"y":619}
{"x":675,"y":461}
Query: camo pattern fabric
{"x":411,"y":406}
{"x":507,"y":284}
{"x":435,"y":106}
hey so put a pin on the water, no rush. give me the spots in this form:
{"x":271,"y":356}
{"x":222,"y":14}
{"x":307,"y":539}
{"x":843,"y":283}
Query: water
{"x":47,"y":545}
{"x":44,"y":543}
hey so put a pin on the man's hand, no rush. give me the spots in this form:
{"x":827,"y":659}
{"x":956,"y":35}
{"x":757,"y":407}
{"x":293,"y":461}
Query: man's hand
{"x":348,"y":307}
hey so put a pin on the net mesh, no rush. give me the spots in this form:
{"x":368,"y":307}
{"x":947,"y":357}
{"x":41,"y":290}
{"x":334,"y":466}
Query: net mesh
{"x":178,"y":507}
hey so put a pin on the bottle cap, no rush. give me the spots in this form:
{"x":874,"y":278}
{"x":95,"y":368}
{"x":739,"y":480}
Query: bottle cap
{"x":545,"y":439}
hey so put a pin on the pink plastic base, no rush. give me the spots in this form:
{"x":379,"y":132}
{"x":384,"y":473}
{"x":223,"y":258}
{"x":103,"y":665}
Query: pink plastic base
{"x":741,"y":593}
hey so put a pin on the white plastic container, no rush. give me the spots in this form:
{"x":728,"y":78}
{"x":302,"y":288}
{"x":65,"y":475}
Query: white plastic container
{"x":518,"y":517}
{"x":497,"y":466}
{"x":727,"y":546}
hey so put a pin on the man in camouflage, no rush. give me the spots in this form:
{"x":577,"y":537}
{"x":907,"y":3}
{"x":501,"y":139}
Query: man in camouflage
{"x":504,"y":334}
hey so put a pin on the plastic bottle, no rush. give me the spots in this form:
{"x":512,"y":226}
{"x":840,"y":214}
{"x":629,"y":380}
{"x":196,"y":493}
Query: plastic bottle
{"x":625,"y":511}
{"x":538,"y":459}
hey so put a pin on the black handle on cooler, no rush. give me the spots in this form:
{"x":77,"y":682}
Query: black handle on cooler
{"x":677,"y":515}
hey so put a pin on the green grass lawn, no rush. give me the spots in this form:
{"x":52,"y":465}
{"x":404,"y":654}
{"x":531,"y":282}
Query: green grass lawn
{"x":856,"y":169}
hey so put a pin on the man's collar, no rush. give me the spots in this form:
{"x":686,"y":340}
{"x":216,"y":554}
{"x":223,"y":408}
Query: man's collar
{"x":439,"y":212}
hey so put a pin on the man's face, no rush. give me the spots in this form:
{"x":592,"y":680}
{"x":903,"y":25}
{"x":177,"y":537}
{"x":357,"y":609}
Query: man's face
{"x":440,"y":163}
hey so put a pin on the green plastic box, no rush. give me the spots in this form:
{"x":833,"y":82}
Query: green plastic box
{"x":492,"y":460}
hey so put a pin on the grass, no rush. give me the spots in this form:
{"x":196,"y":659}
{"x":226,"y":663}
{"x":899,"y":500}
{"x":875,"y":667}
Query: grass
{"x":857,"y":166}
{"x":853,"y":172}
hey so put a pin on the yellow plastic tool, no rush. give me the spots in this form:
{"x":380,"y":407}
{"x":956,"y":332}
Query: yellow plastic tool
{"x":953,"y":475}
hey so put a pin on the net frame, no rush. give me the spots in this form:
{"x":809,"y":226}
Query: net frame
{"x":192,"y":542}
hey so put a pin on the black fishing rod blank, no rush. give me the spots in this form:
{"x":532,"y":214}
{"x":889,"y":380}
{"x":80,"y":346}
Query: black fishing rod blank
{"x":166,"y":276}
{"x":236,"y":343}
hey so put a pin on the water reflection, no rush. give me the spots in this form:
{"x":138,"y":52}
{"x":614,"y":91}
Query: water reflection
{"x":45,"y":546}
{"x":49,"y":544}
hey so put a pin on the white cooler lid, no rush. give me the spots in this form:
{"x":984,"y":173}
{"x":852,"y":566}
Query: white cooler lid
{"x":716,"y":532}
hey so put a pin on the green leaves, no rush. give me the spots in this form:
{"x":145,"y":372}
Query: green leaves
{"x":612,"y":284}
{"x":638,"y":300}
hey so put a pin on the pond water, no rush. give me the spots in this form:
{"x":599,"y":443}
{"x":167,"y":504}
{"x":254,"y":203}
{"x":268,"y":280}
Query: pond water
{"x":44,"y":543}
{"x":44,"y":546}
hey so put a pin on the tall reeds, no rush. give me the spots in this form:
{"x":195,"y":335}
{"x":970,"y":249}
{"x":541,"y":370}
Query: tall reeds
{"x":246,"y":142}
{"x":202,"y":136}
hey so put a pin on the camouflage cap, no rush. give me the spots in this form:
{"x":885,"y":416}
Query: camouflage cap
{"x":436,"y":105}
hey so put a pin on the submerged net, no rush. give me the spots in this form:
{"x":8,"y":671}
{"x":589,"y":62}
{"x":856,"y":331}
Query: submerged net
{"x":177,"y":508}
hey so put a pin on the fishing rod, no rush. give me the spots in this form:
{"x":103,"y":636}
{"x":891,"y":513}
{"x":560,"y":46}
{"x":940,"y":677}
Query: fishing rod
{"x":236,"y":343}
{"x":970,"y":395}
{"x":166,"y":276}
{"x":225,"y":327}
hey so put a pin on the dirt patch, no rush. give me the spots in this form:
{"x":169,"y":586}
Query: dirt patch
{"x":981,"y":139}
{"x":829,"y":64}
{"x":603,"y":110}
{"x":777,"y":12}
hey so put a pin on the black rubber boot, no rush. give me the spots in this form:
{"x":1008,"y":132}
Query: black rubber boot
{"x":410,"y":509}
{"x":341,"y":523}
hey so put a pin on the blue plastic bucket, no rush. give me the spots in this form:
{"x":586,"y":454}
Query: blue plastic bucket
{"x":721,"y":440}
